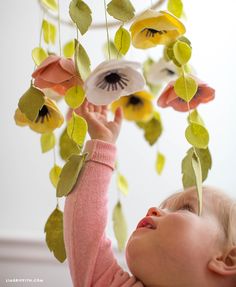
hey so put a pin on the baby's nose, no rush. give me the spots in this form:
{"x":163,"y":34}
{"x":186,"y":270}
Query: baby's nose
{"x":154,"y":211}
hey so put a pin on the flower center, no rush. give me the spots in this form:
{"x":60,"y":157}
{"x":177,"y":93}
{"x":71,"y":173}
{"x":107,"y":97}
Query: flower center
{"x":44,"y":112}
{"x":113,"y":81}
{"x":152,"y":32}
{"x":168,"y":71}
{"x":134,"y":101}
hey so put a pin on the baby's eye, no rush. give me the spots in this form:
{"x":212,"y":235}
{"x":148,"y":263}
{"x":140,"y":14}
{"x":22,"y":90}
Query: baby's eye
{"x":187,"y":206}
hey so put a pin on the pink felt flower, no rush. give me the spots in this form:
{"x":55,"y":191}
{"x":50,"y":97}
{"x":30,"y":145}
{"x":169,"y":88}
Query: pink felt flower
{"x":56,"y":73}
{"x":168,"y":97}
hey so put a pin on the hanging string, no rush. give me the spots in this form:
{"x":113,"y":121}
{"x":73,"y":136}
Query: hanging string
{"x":59,"y":26}
{"x":108,"y":40}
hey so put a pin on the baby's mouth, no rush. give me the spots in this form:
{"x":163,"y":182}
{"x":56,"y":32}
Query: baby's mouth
{"x":147,"y":222}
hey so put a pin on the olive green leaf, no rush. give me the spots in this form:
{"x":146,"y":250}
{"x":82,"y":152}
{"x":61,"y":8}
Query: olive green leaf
{"x":122,"y":10}
{"x":50,"y":4}
{"x":160,"y":162}
{"x":49,"y":32}
{"x":114,"y":54}
{"x":48,"y":141}
{"x":67,"y":146}
{"x":39,"y":55}
{"x":119,"y":226}
{"x":82,"y":61}
{"x":75,"y":96}
{"x":77,"y":128}
{"x":31,"y":103}
{"x":185,"y":87}
{"x":54,"y":234}
{"x":54,"y":175}
{"x":198,"y":175}
{"x":122,"y":184}
{"x":122,"y":40}
{"x":69,"y":49}
{"x":69,"y":174}
{"x":175,"y":7}
{"x":182,"y":52}
{"x":197,"y":135}
{"x":188,"y":176}
{"x":80,"y":14}
{"x":194,"y":117}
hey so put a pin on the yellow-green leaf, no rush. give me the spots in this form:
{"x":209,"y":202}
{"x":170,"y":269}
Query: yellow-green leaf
{"x":175,"y":7}
{"x":48,"y":141}
{"x":74,"y":97}
{"x":119,"y":226}
{"x":82,"y":61}
{"x":69,"y":174}
{"x":69,"y":49}
{"x":39,"y":55}
{"x":50,"y":4}
{"x":122,"y":40}
{"x":185,"y":88}
{"x":31,"y":103}
{"x":198,"y":176}
{"x":194,"y":117}
{"x":114,"y":54}
{"x":197,"y":135}
{"x":122,"y":10}
{"x":54,"y":235}
{"x":182,"y":52}
{"x":77,"y":128}
{"x":160,"y":162}
{"x":54,"y":175}
{"x":80,"y":14}
{"x":49,"y":32}
{"x":67,"y":146}
{"x":122,"y":184}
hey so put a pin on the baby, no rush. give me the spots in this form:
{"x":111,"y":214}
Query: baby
{"x":172,"y":246}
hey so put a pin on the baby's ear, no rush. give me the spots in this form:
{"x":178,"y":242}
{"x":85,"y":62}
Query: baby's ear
{"x":224,"y":264}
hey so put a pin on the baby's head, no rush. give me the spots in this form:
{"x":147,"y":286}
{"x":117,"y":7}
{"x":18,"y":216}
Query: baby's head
{"x":173,"y":246}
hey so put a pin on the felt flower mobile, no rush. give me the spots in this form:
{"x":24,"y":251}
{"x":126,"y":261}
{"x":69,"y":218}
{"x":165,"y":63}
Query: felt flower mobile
{"x":111,"y":80}
{"x":49,"y":118}
{"x":155,"y":27}
{"x":56,"y":73}
{"x":136,"y":107}
{"x":168,"y":97}
{"x":161,"y":71}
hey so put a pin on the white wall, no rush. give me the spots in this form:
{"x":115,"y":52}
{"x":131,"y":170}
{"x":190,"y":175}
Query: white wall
{"x":27,"y":196}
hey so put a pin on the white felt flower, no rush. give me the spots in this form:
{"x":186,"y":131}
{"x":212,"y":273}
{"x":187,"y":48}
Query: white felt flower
{"x":113,"y":79}
{"x":162,"y":71}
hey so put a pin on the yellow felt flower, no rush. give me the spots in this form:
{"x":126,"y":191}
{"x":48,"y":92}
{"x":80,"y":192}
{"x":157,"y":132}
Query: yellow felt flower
{"x":49,"y":118}
{"x":152,"y":28}
{"x":136,"y":107}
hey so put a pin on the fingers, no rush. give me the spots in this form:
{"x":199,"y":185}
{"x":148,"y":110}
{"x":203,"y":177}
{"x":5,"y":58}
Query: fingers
{"x":118,"y":116}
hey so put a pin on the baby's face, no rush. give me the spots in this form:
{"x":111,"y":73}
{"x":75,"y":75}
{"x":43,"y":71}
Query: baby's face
{"x":173,"y":245}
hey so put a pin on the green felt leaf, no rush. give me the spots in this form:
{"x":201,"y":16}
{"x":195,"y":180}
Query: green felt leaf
{"x":152,"y":128}
{"x":122,"y":40}
{"x":31,"y":103}
{"x":82,"y":61}
{"x":160,"y":162}
{"x":50,"y":4}
{"x":55,"y":174}
{"x":48,"y":141}
{"x":67,"y":146}
{"x":185,"y":40}
{"x":185,"y":87}
{"x":198,"y":175}
{"x":188,"y":176}
{"x":80,"y":14}
{"x":77,"y":128}
{"x":194,"y":117}
{"x":39,"y":55}
{"x":122,"y":184}
{"x":119,"y":226}
{"x":69,"y":49}
{"x":182,"y":52}
{"x":197,"y":135}
{"x":69,"y":174}
{"x":169,"y":54}
{"x":54,"y":235}
{"x":122,"y":10}
{"x":175,"y":7}
{"x":49,"y":32}
{"x":114,"y":54}
{"x":75,"y":96}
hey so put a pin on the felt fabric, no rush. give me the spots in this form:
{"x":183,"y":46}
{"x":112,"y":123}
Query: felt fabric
{"x":89,"y":252}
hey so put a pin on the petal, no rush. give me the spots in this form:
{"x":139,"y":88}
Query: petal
{"x":164,"y":95}
{"x":48,"y":61}
{"x":68,"y":65}
{"x":20,"y":118}
{"x":42,"y":84}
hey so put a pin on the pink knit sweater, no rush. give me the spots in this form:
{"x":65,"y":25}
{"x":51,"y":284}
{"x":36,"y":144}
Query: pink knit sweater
{"x":89,"y":253}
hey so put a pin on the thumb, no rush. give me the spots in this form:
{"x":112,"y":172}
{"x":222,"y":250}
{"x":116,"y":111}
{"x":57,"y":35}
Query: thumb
{"x":118,"y":116}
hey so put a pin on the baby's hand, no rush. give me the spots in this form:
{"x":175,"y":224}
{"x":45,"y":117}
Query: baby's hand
{"x":98,"y":125}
